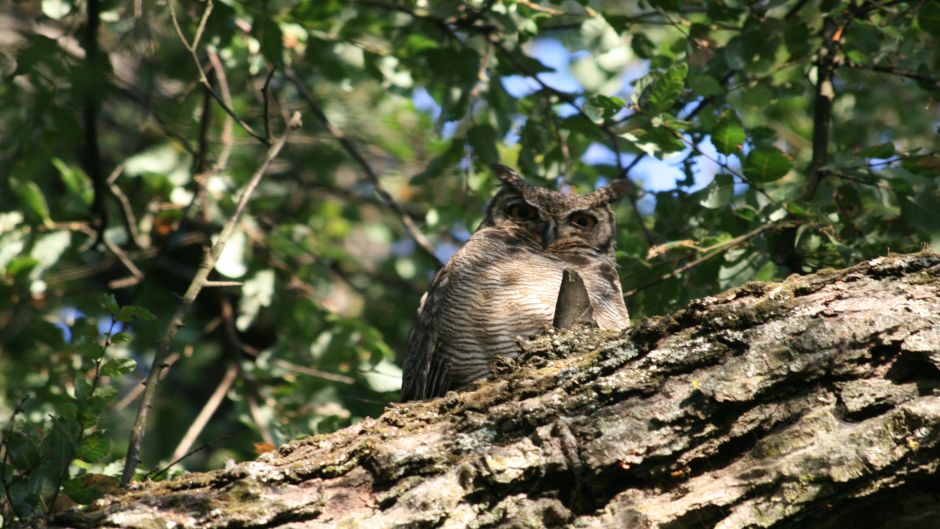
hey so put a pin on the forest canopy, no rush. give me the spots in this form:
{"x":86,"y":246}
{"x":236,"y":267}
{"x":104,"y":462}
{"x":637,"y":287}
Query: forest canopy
{"x":762,"y":139}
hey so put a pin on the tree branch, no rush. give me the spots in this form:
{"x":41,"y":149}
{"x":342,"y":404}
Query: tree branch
{"x":176,"y":321}
{"x":357,"y":157}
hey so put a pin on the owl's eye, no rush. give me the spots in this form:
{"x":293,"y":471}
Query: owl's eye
{"x":519,"y":211}
{"x":583,"y":220}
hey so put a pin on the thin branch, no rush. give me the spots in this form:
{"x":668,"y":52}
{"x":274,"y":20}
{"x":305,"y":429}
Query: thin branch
{"x":933,"y":82}
{"x":135,"y":392}
{"x":128,"y":217}
{"x":219,"y":284}
{"x":203,"y":79}
{"x":255,"y":411}
{"x":154,"y":473}
{"x":226,"y":136}
{"x":206,"y":413}
{"x":267,"y":104}
{"x":197,"y":284}
{"x":713,"y":251}
{"x":822,"y":110}
{"x":309,"y":371}
{"x":357,"y":157}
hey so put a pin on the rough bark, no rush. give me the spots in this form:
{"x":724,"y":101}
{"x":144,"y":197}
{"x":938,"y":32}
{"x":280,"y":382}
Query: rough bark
{"x":811,"y":403}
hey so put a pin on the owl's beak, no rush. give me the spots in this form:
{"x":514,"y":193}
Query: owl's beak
{"x":548,"y":235}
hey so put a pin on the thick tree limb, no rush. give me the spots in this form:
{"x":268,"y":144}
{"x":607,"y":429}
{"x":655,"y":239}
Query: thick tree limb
{"x":811,"y":403}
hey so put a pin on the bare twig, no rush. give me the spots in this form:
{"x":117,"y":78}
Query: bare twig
{"x":206,"y":413}
{"x":197,"y":284}
{"x":226,"y":135}
{"x":357,"y":157}
{"x":265,"y":95}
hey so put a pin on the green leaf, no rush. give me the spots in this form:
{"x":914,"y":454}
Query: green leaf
{"x":75,"y":180}
{"x":603,"y":107}
{"x":884,"y":150}
{"x":87,"y":488}
{"x":30,"y":196}
{"x":642,"y":46}
{"x":928,"y":18}
{"x":118,"y":367}
{"x":128,"y":313}
{"x":718,"y":193}
{"x":120,"y":338}
{"x":728,"y":134}
{"x":665,"y":91}
{"x":19,"y":267}
{"x":482,"y":139}
{"x":451,"y":155}
{"x":109,"y":303}
{"x":90,"y":348}
{"x":766,"y":164}
{"x":654,"y":140}
{"x":22,"y":449}
{"x":705,"y":85}
{"x":271,"y":38}
{"x":93,"y":448}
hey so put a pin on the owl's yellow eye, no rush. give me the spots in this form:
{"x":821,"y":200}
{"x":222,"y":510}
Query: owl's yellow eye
{"x":520,"y":211}
{"x":582,"y":220}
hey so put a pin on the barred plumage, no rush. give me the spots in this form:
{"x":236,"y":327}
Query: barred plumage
{"x":503,"y":283}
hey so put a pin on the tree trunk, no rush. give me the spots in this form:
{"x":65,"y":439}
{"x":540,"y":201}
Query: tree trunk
{"x":811,"y":403}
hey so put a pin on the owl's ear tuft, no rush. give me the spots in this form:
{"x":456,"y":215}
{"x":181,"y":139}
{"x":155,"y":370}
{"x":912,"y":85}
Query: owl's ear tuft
{"x":609,"y":193}
{"x":508,"y":176}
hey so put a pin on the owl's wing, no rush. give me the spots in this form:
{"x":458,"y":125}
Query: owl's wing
{"x":425,"y":370}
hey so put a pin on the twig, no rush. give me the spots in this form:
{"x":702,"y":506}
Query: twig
{"x":713,"y":251}
{"x":198,"y":282}
{"x":226,"y":135}
{"x":371,"y":175}
{"x":132,"y":395}
{"x":207,"y":411}
{"x":255,"y":411}
{"x":128,"y":217}
{"x":203,"y":79}
{"x":934,"y":82}
{"x":304,"y":370}
{"x":219,"y":284}
{"x":126,"y":261}
{"x":265,"y":96}
{"x":154,"y":473}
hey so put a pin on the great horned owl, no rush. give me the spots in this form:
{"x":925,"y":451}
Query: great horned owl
{"x":504,"y":282}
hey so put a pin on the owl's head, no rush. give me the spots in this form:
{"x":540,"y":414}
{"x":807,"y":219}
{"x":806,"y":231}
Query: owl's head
{"x":555,"y":222}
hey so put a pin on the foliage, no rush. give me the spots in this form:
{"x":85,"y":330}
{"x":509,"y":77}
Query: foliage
{"x":53,"y":450}
{"x":764,"y":139}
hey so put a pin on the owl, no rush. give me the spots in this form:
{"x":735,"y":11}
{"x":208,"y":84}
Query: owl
{"x":504,"y":282}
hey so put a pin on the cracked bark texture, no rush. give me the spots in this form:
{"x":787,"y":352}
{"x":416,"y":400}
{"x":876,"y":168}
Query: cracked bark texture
{"x":811,"y":403}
